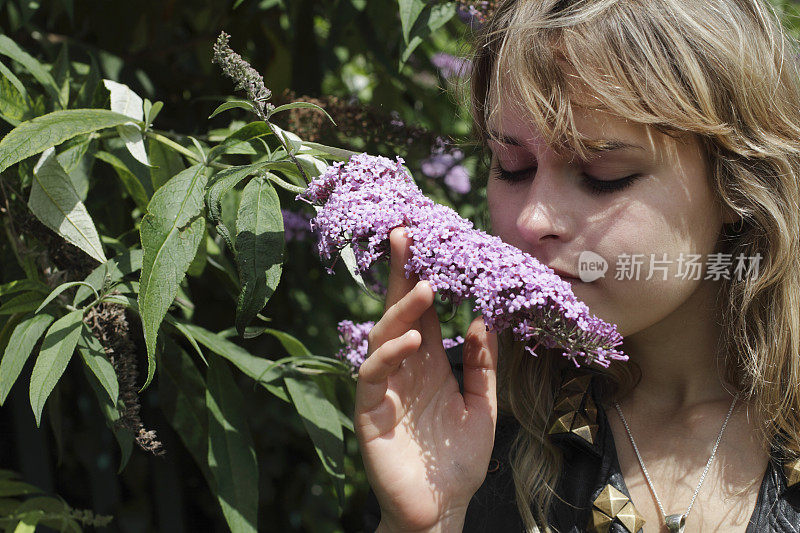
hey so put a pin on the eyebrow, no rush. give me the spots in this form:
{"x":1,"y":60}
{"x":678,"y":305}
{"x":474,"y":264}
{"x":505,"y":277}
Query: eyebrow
{"x":610,"y":145}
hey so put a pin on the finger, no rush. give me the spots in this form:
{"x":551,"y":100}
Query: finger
{"x":480,"y":369}
{"x":429,"y":324}
{"x":374,"y":371}
{"x":400,"y":254}
{"x":402,"y":316}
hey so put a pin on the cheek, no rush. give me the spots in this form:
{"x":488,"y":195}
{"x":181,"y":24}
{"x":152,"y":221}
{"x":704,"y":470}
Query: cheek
{"x":625,"y":295}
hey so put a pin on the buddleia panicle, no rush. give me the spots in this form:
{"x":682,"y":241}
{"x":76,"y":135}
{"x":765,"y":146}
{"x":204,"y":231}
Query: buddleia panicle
{"x":245,"y":76}
{"x":362,"y":200}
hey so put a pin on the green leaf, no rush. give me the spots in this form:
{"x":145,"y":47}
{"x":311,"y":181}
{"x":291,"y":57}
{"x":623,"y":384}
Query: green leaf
{"x":349,"y":260}
{"x":15,"y":106}
{"x":56,"y":515}
{"x":96,"y":360}
{"x":61,"y":74}
{"x":431,"y":20}
{"x":244,"y":134}
{"x":14,"y":80}
{"x":55,"y":202}
{"x":409,"y":13}
{"x":223,"y":182}
{"x":300,"y":105}
{"x":170,"y":232}
{"x":19,"y":285}
{"x":152,"y":113}
{"x":61,"y":288}
{"x":231,"y":453}
{"x":200,"y":260}
{"x":10,"y":49}
{"x":10,"y":487}
{"x":291,"y":344}
{"x":115,"y":268}
{"x":334,"y":153}
{"x":322,"y":423}
{"x":182,"y":396}
{"x":259,"y":247}
{"x":21,"y":303}
{"x":23,"y":339}
{"x":165,"y":163}
{"x":231,"y":104}
{"x":257,"y":368}
{"x":40,"y":133}
{"x":129,"y":180}
{"x":57,"y":348}
{"x":183,"y":330}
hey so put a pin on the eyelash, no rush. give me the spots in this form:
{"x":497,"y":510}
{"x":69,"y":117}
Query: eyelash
{"x":595,"y":185}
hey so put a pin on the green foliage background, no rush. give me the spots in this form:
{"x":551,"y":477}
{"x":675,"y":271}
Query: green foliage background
{"x":247,"y":444}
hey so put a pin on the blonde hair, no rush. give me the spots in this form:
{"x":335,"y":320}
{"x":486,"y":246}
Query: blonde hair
{"x":722,"y":71}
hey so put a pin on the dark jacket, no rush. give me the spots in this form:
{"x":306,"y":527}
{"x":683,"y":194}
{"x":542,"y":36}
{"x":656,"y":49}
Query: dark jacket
{"x":590,"y":475}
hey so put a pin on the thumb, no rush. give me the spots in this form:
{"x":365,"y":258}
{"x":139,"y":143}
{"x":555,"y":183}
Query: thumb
{"x":480,"y":369}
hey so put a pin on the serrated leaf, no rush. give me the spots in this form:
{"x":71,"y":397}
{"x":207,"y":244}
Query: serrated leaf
{"x":57,"y":348}
{"x":40,"y":133}
{"x":10,"y":49}
{"x":55,"y":202}
{"x":259,"y":247}
{"x":129,"y":180}
{"x":231,"y":452}
{"x":20,"y":346}
{"x":198,"y":264}
{"x":321,"y":420}
{"x":96,"y":360}
{"x":223,"y":182}
{"x":170,"y":234}
{"x":165,"y":163}
{"x":182,"y":396}
{"x":233,"y":104}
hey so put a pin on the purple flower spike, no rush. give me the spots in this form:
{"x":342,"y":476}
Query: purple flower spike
{"x":354,"y":338}
{"x":364,"y":199}
{"x":451,"y":66}
{"x":296,"y":226}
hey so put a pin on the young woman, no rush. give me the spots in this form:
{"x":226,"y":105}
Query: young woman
{"x":663,"y":133}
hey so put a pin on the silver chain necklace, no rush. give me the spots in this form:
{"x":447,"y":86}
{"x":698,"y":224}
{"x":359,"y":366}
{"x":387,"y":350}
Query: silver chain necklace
{"x":676,"y":522}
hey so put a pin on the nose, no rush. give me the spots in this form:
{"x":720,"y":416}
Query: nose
{"x":546,"y":211}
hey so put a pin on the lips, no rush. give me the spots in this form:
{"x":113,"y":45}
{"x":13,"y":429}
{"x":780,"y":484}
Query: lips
{"x":564,"y":275}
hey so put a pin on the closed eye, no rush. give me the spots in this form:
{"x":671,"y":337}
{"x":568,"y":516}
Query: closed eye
{"x":595,"y":186}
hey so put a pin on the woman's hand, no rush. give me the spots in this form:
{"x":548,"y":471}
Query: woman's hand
{"x":426,"y":448}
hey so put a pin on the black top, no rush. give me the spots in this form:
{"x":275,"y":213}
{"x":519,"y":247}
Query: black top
{"x":592,"y":495}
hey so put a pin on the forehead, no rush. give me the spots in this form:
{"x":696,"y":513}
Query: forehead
{"x":604,"y":131}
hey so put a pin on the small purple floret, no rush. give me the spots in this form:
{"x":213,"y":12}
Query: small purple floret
{"x":363,"y":199}
{"x":354,"y":337}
